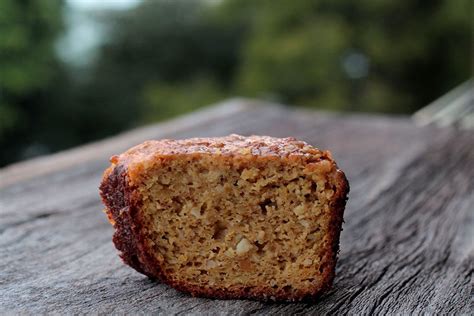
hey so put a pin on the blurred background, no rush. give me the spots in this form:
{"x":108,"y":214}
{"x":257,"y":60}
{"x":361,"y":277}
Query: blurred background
{"x":77,"y":70}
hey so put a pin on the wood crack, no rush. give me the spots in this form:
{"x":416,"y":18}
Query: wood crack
{"x":42,"y":215}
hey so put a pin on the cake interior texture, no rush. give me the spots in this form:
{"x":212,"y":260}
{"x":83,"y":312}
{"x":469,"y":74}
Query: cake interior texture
{"x":265,"y":228}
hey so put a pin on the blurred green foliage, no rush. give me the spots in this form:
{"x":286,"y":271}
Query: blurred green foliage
{"x":164,"y":58}
{"x":384,"y":56}
{"x":28,"y":69}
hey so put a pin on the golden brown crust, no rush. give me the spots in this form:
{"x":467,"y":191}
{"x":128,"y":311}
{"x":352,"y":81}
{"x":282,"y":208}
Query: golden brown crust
{"x":232,"y":145}
{"x":122,"y":206}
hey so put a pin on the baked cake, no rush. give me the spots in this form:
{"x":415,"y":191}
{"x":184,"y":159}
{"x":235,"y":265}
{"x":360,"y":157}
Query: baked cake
{"x":229,"y":217}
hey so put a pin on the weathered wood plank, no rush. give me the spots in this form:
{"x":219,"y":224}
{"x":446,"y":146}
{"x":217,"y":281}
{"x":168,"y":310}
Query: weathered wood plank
{"x":407,"y":244}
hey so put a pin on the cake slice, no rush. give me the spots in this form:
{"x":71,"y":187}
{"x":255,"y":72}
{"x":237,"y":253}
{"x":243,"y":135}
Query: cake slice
{"x":230,"y":217}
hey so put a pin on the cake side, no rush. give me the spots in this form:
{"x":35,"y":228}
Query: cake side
{"x":121,"y":210}
{"x":123,"y":193}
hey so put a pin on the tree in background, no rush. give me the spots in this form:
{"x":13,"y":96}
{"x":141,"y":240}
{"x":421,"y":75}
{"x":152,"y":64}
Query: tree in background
{"x":383,"y":56}
{"x":164,"y":58}
{"x":28,"y":72}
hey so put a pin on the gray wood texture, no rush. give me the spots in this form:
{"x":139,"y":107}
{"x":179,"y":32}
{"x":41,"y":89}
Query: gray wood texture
{"x":407,"y":245}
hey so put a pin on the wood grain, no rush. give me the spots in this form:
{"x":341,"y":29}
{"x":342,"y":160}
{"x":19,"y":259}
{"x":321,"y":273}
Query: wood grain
{"x":407,"y":244}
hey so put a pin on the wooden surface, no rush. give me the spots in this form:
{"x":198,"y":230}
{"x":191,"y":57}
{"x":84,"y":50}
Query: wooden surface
{"x":455,"y":108}
{"x":407,"y":244}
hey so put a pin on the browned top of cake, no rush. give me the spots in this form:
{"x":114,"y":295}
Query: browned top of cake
{"x":232,"y":145}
